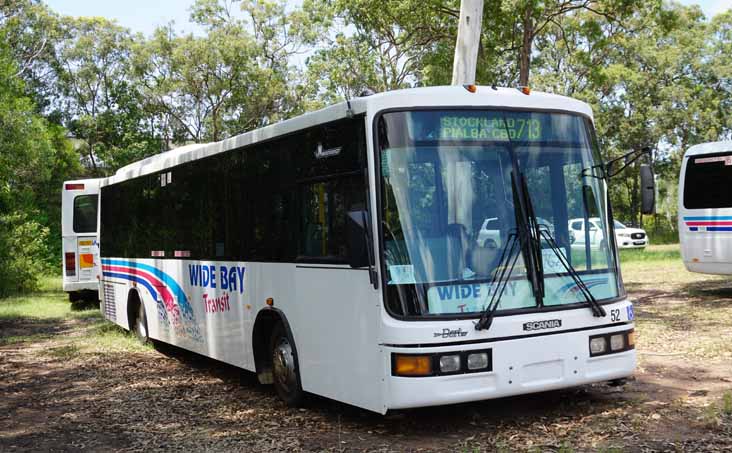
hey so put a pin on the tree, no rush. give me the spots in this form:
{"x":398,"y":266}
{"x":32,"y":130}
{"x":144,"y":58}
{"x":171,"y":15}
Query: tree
{"x":34,"y":157}
{"x":100,"y":105}
{"x":387,"y":48}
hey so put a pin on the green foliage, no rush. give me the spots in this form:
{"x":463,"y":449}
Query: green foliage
{"x":100,"y":104}
{"x":726,"y":406}
{"x":650,"y":254}
{"x":23,"y":249}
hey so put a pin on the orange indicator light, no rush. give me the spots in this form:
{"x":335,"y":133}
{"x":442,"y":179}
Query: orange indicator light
{"x":471,"y":88}
{"x":412,"y":365}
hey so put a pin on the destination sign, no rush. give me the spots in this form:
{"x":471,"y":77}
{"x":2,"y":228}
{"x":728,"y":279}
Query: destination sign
{"x":424,"y":126}
{"x":484,"y":128}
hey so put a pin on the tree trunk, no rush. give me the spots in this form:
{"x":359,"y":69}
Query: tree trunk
{"x":634,"y":205}
{"x":526,"y":46}
{"x":91,"y":158}
{"x":468,"y":42}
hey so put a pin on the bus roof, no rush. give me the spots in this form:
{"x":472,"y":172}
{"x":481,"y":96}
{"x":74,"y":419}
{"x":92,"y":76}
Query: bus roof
{"x":709,"y":148}
{"x":443,"y":96}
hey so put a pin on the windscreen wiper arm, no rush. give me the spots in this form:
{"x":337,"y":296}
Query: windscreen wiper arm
{"x":595,"y":306}
{"x":535,"y":240}
{"x":509,"y":256}
{"x":544,"y":233}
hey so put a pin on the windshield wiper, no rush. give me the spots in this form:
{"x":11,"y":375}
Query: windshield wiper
{"x":526,"y":238}
{"x":542,"y":231}
{"x":595,"y":306}
{"x":504,"y":268}
{"x":535,"y":240}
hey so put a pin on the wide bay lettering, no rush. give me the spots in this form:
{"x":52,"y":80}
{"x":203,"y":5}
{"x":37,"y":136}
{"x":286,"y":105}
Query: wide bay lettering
{"x":230,"y":278}
{"x":467,"y":297}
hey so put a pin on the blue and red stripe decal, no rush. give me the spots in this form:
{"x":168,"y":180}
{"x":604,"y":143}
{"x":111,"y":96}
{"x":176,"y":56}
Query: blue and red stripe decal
{"x":709,"y":223}
{"x":162,"y":287}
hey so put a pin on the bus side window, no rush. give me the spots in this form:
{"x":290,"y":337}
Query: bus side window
{"x":325,"y":206}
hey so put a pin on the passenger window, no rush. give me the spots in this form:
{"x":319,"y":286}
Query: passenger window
{"x":577,"y":225}
{"x":325,"y":207}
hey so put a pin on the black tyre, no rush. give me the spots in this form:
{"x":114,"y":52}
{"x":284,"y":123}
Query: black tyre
{"x":285,"y":369}
{"x":140,"y":324}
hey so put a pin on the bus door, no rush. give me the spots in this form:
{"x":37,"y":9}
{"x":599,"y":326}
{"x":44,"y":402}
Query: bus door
{"x":337,"y":314}
{"x":80,"y":244}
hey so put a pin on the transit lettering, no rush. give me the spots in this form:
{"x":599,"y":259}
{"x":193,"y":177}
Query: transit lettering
{"x":216,"y":305}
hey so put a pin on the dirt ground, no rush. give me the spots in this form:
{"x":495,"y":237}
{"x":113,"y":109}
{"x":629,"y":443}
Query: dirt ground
{"x":58,"y":396}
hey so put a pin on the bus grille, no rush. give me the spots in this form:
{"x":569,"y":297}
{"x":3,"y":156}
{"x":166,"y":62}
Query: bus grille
{"x":110,"y":306}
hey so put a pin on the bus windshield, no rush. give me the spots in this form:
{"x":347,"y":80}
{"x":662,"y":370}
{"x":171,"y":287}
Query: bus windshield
{"x":448,"y":209}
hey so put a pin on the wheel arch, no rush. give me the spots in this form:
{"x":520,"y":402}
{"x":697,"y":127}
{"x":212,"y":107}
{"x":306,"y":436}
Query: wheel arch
{"x":133,"y":302}
{"x":264,"y":324}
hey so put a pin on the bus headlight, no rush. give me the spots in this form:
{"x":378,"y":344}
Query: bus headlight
{"x":438,"y":364}
{"x":597,"y":345}
{"x":450,"y":363}
{"x":617,"y":342}
{"x":612,"y":342}
{"x":478,"y":361}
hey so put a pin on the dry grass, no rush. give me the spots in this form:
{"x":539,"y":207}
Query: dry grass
{"x":74,"y":382}
{"x":677,"y":311}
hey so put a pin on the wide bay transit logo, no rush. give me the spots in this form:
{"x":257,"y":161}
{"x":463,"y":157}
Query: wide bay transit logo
{"x":227,"y":278}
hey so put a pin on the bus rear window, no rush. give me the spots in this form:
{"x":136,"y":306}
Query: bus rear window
{"x":707,"y":181}
{"x":85,"y":214}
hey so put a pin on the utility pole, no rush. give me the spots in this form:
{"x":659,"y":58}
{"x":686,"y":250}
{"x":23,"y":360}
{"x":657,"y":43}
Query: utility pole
{"x":468,"y":41}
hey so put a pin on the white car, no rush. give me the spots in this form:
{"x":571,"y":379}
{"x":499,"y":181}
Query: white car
{"x":630,"y":238}
{"x":625,"y":237}
{"x":491,"y":238}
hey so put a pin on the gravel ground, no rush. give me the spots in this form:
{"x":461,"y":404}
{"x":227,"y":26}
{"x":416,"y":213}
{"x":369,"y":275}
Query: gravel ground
{"x":58,"y":396}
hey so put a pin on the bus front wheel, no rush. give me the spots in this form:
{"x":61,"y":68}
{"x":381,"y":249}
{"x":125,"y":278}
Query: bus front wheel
{"x":285,"y":373}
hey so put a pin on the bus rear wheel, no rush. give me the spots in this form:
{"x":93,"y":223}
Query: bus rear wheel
{"x":285,"y":372}
{"x":140,"y":326}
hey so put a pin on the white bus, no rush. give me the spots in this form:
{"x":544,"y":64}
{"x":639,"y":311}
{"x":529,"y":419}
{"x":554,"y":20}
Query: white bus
{"x":705,"y":208}
{"x":337,"y":253}
{"x":79,"y":202}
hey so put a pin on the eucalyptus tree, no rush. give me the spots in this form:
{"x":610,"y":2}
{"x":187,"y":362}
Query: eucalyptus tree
{"x":235,"y":77}
{"x":653,"y":81}
{"x":99,"y":103}
{"x":382,"y":45}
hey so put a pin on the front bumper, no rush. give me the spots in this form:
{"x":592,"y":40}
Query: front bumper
{"x":626,"y":243}
{"x":520,"y":366}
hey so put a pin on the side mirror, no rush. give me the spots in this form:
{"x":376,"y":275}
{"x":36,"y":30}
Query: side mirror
{"x":356,"y":224}
{"x":648,"y":190}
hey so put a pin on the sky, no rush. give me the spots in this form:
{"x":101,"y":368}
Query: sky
{"x":145,"y":15}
